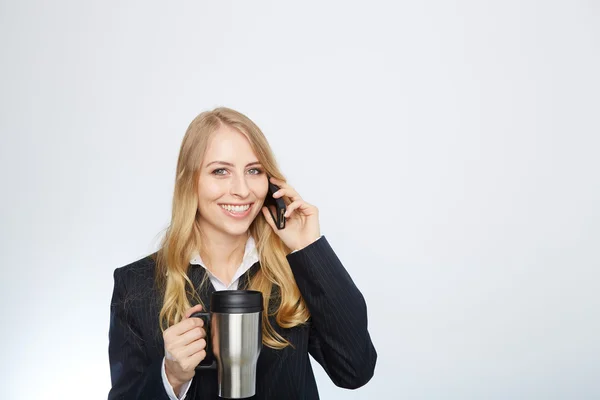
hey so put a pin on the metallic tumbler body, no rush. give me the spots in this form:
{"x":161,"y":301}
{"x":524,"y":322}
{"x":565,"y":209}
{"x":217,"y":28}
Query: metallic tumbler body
{"x":237,"y":341}
{"x":234,"y":340}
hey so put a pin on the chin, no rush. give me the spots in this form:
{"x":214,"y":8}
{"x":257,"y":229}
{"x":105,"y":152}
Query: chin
{"x":234,"y":229}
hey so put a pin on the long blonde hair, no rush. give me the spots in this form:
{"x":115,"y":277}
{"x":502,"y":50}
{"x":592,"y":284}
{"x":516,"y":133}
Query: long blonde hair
{"x":183,"y":237}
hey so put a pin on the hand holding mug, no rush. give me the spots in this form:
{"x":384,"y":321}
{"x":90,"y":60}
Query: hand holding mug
{"x":185,"y":344}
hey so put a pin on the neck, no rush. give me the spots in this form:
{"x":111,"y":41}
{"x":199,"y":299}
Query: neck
{"x":222,"y":253}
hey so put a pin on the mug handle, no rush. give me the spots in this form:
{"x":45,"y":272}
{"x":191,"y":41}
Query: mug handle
{"x":209,"y":361}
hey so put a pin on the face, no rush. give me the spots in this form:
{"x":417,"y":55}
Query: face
{"x":232,"y":185}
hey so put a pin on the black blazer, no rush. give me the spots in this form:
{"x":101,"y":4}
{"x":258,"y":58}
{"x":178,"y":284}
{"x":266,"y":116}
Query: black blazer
{"x":336,"y":334}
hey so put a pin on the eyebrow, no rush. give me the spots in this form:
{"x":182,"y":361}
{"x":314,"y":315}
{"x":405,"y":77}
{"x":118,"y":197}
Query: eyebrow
{"x":230,"y":164}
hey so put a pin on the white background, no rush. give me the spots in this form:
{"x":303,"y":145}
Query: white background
{"x":451,"y":147}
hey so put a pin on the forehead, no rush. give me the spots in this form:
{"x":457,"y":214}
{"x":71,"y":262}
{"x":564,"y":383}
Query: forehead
{"x":228,"y":144}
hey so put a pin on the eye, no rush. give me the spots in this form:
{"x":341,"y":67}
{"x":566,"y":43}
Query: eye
{"x":219,"y":171}
{"x":258,"y":171}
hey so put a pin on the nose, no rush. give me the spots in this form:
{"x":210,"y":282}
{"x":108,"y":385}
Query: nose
{"x":239,"y":187}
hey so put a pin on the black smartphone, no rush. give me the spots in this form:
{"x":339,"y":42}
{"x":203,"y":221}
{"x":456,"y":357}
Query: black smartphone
{"x":279,"y":205}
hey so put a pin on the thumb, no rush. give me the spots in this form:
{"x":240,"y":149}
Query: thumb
{"x":190,"y":311}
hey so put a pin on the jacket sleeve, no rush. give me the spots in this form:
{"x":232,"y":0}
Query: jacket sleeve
{"x":133,"y":375}
{"x":339,"y":339}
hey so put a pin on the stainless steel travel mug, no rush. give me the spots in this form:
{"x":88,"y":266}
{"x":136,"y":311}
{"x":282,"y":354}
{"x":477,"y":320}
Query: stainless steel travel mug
{"x":234,"y":339}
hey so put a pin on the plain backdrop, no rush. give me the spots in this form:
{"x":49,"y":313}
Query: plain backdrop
{"x":451,"y":147}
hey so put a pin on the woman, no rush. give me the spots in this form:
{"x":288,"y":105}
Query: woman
{"x":221,"y":237}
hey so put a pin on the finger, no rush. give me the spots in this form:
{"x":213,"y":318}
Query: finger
{"x":289,"y":192}
{"x":190,"y":311}
{"x":300,"y":205}
{"x":175,"y":343}
{"x":194,"y":348}
{"x":291,"y":208}
{"x":190,"y":337}
{"x":197,"y":357}
{"x":286,"y":189}
{"x":183,"y":326}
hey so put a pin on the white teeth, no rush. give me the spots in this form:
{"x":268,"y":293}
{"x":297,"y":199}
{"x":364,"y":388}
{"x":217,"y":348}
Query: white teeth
{"x":235,"y":208}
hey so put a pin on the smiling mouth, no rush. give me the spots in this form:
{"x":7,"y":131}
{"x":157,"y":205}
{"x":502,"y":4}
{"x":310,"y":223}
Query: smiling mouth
{"x":236,"y":209}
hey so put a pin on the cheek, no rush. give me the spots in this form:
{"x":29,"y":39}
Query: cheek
{"x":206,"y":199}
{"x":260,"y":190}
{"x":210,"y":191}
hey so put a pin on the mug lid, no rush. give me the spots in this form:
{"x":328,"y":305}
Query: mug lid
{"x":236,"y":301}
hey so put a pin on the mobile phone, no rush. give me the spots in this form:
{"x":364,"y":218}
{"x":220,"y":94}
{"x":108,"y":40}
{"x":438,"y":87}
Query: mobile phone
{"x":278,"y":204}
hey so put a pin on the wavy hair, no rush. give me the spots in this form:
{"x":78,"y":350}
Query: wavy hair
{"x":182,"y":237}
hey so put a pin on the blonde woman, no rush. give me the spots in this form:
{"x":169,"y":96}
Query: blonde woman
{"x":222,"y":237}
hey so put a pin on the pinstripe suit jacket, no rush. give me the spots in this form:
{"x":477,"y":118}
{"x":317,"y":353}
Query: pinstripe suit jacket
{"x":336,"y":334}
